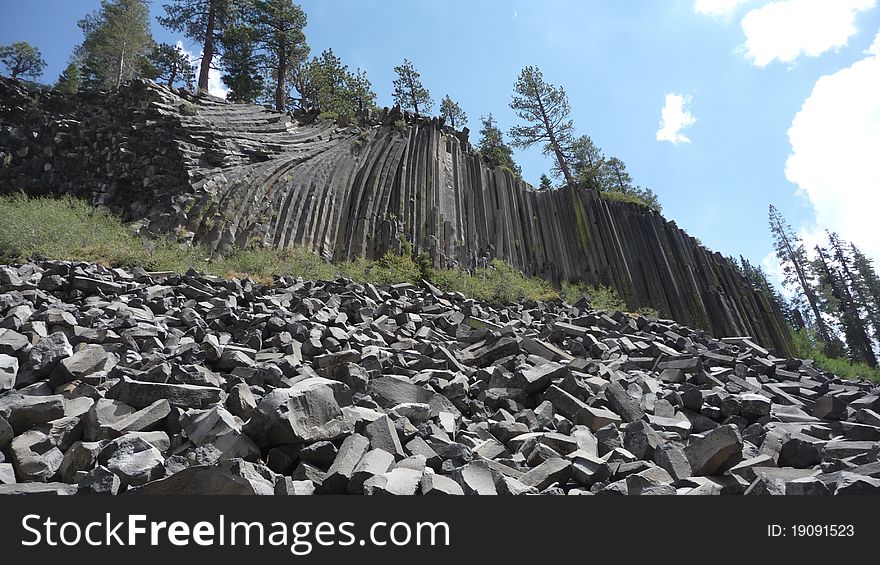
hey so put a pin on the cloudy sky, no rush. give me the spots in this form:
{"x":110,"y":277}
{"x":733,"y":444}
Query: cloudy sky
{"x":722,"y":107}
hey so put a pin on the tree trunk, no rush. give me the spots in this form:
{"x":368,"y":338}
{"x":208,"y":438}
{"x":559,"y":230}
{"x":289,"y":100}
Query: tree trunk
{"x":208,"y":50}
{"x":121,"y":66}
{"x":554,"y":143}
{"x":412,"y":93}
{"x":802,"y":279}
{"x":280,"y":93}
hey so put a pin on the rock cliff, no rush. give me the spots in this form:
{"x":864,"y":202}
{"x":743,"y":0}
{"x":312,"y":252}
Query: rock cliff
{"x":227,"y":175}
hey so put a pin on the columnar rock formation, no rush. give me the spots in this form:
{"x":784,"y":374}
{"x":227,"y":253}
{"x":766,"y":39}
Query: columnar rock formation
{"x":235,"y":175}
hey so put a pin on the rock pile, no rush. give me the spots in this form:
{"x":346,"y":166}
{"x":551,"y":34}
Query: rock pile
{"x":132,"y":382}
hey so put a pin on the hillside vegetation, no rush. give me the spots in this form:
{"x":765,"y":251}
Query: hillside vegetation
{"x":71,"y":229}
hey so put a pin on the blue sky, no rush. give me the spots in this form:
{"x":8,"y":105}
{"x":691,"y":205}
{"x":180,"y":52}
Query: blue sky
{"x":744,"y":69}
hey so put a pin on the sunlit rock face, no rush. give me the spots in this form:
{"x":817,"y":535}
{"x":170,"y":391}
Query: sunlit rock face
{"x":227,"y":175}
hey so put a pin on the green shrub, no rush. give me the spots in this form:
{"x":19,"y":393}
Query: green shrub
{"x":648,"y":312}
{"x":808,"y":346}
{"x":499,"y":282}
{"x":603,"y":298}
{"x":625,"y":197}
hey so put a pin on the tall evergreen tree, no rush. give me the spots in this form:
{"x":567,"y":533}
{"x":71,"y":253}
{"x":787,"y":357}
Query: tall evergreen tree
{"x":279,"y":34}
{"x":329,"y":77}
{"x":117,"y":43}
{"x":241,"y":64}
{"x":842,"y":307}
{"x":615,"y":177}
{"x":325,"y":84}
{"x":547,"y":115}
{"x":202,"y":21}
{"x":586,"y":160}
{"x":22,"y":60}
{"x":68,"y":82}
{"x":495,"y":152}
{"x":796,"y":269}
{"x":409,"y":92}
{"x":858,"y":303}
{"x":452,"y":112}
{"x":361,"y":91}
{"x":868,"y":283}
{"x":172,"y":65}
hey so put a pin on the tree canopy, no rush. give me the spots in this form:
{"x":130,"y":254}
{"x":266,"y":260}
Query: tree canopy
{"x":547,"y":115}
{"x":452,"y":112}
{"x":22,"y":60}
{"x":172,"y":65}
{"x":409,"y":92}
{"x":492,"y":147}
{"x":117,"y":44}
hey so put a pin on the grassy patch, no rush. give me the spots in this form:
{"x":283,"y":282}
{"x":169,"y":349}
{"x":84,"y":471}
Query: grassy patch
{"x":499,"y":282}
{"x":807,"y":346}
{"x":71,"y":229}
{"x":625,"y":197}
{"x":602,"y":298}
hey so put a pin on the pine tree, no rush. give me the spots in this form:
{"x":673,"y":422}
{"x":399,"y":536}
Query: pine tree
{"x":241,"y":64}
{"x":202,"y":21}
{"x":117,"y":43}
{"x":546,"y":183}
{"x":409,"y":92}
{"x":615,"y":177}
{"x":278,"y":33}
{"x":325,"y":84}
{"x":22,"y":59}
{"x":495,"y":152}
{"x":452,"y":112}
{"x":868,"y":284}
{"x":360,"y":89}
{"x":840,"y":305}
{"x":68,"y":82}
{"x":796,"y":268}
{"x":858,"y":302}
{"x":546,"y":111}
{"x":172,"y":65}
{"x":586,"y":161}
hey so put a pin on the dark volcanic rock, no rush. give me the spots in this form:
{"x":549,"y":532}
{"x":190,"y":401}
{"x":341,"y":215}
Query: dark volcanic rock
{"x":159,"y":383}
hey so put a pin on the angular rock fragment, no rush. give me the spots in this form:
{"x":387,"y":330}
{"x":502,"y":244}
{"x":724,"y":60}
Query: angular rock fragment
{"x":715,"y":451}
{"x":233,"y":477}
{"x":292,"y":415}
{"x":142,"y":394}
{"x":133,"y":459}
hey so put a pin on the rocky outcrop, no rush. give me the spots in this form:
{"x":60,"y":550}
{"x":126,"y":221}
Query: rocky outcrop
{"x":229,"y":175}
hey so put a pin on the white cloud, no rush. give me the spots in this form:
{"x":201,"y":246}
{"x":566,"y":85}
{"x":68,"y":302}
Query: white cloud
{"x":874,"y":49}
{"x":674,"y":118}
{"x":215,"y":83}
{"x":785,"y":29}
{"x":834,"y":147}
{"x":717,"y":8}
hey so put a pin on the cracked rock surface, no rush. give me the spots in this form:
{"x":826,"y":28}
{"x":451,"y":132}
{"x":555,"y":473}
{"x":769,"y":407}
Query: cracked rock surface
{"x":127,"y":382}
